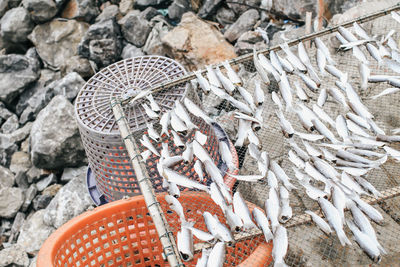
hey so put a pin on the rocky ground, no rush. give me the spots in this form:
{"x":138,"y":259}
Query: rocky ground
{"x":49,"y":48}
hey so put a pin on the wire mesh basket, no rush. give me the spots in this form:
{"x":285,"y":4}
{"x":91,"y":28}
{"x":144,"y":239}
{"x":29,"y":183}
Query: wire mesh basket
{"x":122,"y":233}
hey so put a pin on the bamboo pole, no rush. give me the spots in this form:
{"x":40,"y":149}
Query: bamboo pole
{"x":303,"y":218}
{"x":248,"y":57}
{"x":156,"y":213}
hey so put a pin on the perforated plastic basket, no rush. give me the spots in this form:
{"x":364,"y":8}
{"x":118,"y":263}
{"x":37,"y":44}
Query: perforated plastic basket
{"x":122,"y":233}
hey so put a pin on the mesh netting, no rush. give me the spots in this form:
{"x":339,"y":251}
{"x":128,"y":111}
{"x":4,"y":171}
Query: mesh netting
{"x":307,"y":244}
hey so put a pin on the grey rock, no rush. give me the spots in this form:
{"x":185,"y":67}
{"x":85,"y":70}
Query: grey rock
{"x":34,"y":232}
{"x":21,"y":180}
{"x":14,"y":256}
{"x":154,"y":44}
{"x":149,"y":13}
{"x":57,"y":40}
{"x":85,"y":10}
{"x":79,"y":65}
{"x":41,"y":201}
{"x":68,"y":86}
{"x":11,"y":200}
{"x":18,"y":135}
{"x":108,"y":13}
{"x":55,"y":140}
{"x":135,"y":28}
{"x":249,"y":40}
{"x":32,"y":54}
{"x":131,"y":51}
{"x":52,"y":190}
{"x":40,"y":10}
{"x":240,"y":9}
{"x":7,"y":148}
{"x":295,"y":8}
{"x":70,"y":201}
{"x":125,"y":6}
{"x":33,"y":100}
{"x":16,"y":24}
{"x":208,"y":8}
{"x":45,"y":182}
{"x":243,"y":24}
{"x":7,"y":178}
{"x":101,"y":43}
{"x":10,"y":125}
{"x":145,"y":3}
{"x":3,"y":7}
{"x":30,"y":194}
{"x":33,"y":262}
{"x":71,"y":173}
{"x":34,"y":174}
{"x":16,"y":226}
{"x":16,"y":73}
{"x":20,"y":162}
{"x":14,"y":3}
{"x":4,"y":113}
{"x":177,"y":8}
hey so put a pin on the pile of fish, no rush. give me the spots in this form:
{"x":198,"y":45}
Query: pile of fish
{"x":337,"y":152}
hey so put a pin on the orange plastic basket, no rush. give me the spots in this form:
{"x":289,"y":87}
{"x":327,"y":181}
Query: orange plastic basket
{"x":122,"y":233}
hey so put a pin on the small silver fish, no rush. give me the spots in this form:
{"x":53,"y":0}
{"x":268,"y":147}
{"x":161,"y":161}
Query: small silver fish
{"x":263,"y":224}
{"x":327,"y":155}
{"x":212,"y":77}
{"x":374,"y":52}
{"x":341,"y":129}
{"x":370,"y":211}
{"x":271,"y":179}
{"x":339,"y":200}
{"x":314,"y":173}
{"x":364,"y":74}
{"x":240,"y":105}
{"x":164,"y":122}
{"x":185,"y":241}
{"x":293,"y":58}
{"x":336,"y":72}
{"x":153,"y":104}
{"x":347,"y":34}
{"x":241,"y":136}
{"x":300,"y":152}
{"x":258,"y":94}
{"x":247,"y":178}
{"x":152,"y":132}
{"x":184,"y":116}
{"x":322,"y":129}
{"x":368,"y":186}
{"x":321,"y":61}
{"x":312,"y":151}
{"x":320,"y":45}
{"x":216,"y":228}
{"x":226,"y":83}
{"x":354,"y":171}
{"x":313,"y":86}
{"x":333,"y":217}
{"x":286,"y":91}
{"x":217,"y":255}
{"x":286,"y":211}
{"x":309,"y":137}
{"x":356,"y":129}
{"x":145,"y":155}
{"x":226,"y":155}
{"x":313,"y":192}
{"x":350,"y":183}
{"x":324,"y":226}
{"x":202,"y":235}
{"x":323,"y":95}
{"x":286,"y":65}
{"x":176,"y":206}
{"x":182,"y":180}
{"x":365,"y":242}
{"x":247,"y":97}
{"x":217,"y":196}
{"x":173,"y":190}
{"x":280,"y":247}
{"x":165,"y":150}
{"x":177,"y":140}
{"x":203,"y":82}
{"x":341,"y":39}
{"x":395,"y":16}
{"x":272,"y":208}
{"x":198,"y":169}
{"x":146,"y":143}
{"x":267,"y":65}
{"x":276,"y":100}
{"x":296,"y":160}
{"x":286,"y":126}
{"x":195,"y":110}
{"x":177,"y":124}
{"x":360,"y":31}
{"x":301,"y":94}
{"x":275,"y":62}
{"x":187,"y":155}
{"x":149,"y":111}
{"x":241,"y":209}
{"x":232,"y":75}
{"x":202,"y":261}
{"x":260,"y":70}
{"x":200,"y":137}
{"x":281,"y":175}
{"x":253,"y":138}
{"x":359,"y":54}
{"x":323,"y":115}
{"x":387,"y":91}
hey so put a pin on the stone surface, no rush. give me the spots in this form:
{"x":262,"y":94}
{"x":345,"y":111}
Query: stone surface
{"x":149,"y":13}
{"x":33,"y":100}
{"x":243,"y":24}
{"x":41,"y":201}
{"x":3,"y":7}
{"x":34,"y":174}
{"x":14,"y":256}
{"x":11,"y":200}
{"x":52,"y":190}
{"x":4,"y":113}
{"x":58,"y":40}
{"x":240,"y":9}
{"x":7,"y":148}
{"x":20,"y":162}
{"x":225,"y":16}
{"x":108,"y":13}
{"x":29,"y":196}
{"x":7,"y":178}
{"x":16,"y":24}
{"x":296,"y":8}
{"x":17,"y":136}
{"x":154,"y":44}
{"x":85,"y":10}
{"x":178,"y":8}
{"x":16,"y":226}
{"x":131,"y":51}
{"x":34,"y":232}
{"x":79,"y":65}
{"x":125,"y":6}
{"x":68,"y":86}
{"x":71,"y":173}
{"x":102,"y":43}
{"x":248,"y":41}
{"x":196,"y":43}
{"x":10,"y":125}
{"x":55,"y":140}
{"x":208,"y":8}
{"x":40,"y":10}
{"x":145,"y":3}
{"x":45,"y":182}
{"x":16,"y":73}
{"x":70,"y":201}
{"x":135,"y":28}
{"x":21,"y":180}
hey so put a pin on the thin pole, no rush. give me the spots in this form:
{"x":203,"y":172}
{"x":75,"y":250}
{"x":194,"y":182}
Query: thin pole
{"x":156,"y":213}
{"x":248,"y":57}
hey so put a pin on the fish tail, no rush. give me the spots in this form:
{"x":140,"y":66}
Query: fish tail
{"x":289,"y":186}
{"x":343,"y":238}
{"x":381,"y":249}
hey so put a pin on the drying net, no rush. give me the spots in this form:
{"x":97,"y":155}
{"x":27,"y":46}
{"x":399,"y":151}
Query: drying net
{"x":308,"y":245}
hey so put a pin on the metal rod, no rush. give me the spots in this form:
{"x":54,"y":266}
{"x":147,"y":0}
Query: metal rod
{"x":303,"y":218}
{"x":156,"y":213}
{"x":248,"y":57}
